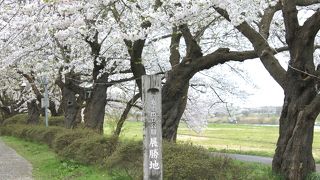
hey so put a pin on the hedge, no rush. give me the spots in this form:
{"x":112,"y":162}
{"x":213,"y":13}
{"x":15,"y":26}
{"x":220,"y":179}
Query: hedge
{"x":181,"y":161}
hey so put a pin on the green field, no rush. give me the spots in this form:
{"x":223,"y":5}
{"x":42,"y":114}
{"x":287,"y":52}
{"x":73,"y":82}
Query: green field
{"x":233,"y":138}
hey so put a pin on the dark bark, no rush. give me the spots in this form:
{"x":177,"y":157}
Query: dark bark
{"x":175,"y":90}
{"x":52,"y":108}
{"x":71,"y":104}
{"x":33,"y":112}
{"x":95,"y":106}
{"x":173,"y":95}
{"x":60,"y":108}
{"x":70,"y":107}
{"x":135,"y":51}
{"x":293,"y":156}
{"x":6,"y":112}
{"x":174,"y":100}
{"x":174,"y":47}
{"x":125,"y":113}
{"x":10,"y":107}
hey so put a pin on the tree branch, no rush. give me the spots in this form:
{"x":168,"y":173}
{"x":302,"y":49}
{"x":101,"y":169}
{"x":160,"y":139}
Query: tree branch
{"x":193,"y":49}
{"x":174,"y":47}
{"x":31,"y":81}
{"x":121,"y":80}
{"x":262,"y":48}
{"x":223,"y":55}
{"x":312,"y":25}
{"x":264,"y":25}
{"x":290,"y":15}
{"x":126,"y":112}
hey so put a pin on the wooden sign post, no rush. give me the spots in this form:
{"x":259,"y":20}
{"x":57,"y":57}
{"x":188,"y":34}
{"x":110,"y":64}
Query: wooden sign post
{"x":152,"y":138}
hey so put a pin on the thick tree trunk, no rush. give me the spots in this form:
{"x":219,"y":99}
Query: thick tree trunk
{"x":33,"y":112}
{"x":174,"y":100}
{"x":293,"y":157}
{"x":95,"y":105}
{"x":71,"y":108}
{"x":95,"y":108}
{"x":70,"y":104}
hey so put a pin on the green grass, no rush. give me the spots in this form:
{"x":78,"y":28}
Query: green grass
{"x":231,"y":138}
{"x":46,"y":164}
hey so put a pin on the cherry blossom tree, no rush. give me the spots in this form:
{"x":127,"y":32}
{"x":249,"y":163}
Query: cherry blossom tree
{"x":177,"y":20}
{"x":293,"y":157}
{"x":67,"y":41}
{"x":90,"y":46}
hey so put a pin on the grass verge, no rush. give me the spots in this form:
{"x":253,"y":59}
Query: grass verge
{"x":47,"y":165}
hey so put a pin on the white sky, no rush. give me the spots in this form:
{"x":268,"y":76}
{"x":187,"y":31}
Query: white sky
{"x":268,"y":92}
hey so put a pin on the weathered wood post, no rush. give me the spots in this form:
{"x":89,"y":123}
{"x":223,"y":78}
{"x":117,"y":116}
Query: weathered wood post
{"x":152,"y":138}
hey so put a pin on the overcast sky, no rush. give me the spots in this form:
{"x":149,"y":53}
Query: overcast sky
{"x":267,"y":92}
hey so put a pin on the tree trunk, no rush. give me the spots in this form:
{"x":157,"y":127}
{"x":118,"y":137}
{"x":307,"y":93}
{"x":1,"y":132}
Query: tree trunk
{"x":174,"y":100}
{"x":293,"y":157}
{"x":95,"y":106}
{"x":6,"y":113}
{"x":70,"y":107}
{"x":125,"y":114}
{"x":60,"y":109}
{"x":33,"y":112}
{"x":71,"y":104}
{"x":52,"y":108}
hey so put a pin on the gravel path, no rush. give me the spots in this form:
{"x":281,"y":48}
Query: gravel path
{"x":250,"y":158}
{"x":12,"y":165}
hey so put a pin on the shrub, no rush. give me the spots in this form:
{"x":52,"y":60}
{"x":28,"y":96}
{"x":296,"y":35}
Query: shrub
{"x":128,"y":157}
{"x":49,"y":135}
{"x":36,"y":133}
{"x":22,"y":119}
{"x":180,"y":161}
{"x":33,"y":133}
{"x":6,"y":130}
{"x":56,"y":121}
{"x":95,"y":148}
{"x":185,"y":161}
{"x":68,"y":136}
{"x":16,"y":119}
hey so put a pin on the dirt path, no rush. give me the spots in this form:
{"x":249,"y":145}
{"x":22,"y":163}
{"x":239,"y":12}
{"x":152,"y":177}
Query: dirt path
{"x":12,"y":165}
{"x":250,"y":158}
